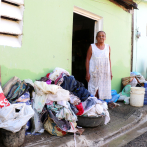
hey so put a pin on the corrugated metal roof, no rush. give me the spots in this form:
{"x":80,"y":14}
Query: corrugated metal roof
{"x":128,"y":4}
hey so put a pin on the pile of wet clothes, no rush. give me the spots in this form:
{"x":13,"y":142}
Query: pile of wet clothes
{"x":57,"y":99}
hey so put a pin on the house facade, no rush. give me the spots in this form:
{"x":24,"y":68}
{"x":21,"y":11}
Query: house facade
{"x":140,"y":39}
{"x":45,"y":36}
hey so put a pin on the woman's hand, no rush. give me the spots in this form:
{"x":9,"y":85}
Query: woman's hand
{"x":87,"y":77}
{"x":89,"y":54}
{"x":111,"y":76}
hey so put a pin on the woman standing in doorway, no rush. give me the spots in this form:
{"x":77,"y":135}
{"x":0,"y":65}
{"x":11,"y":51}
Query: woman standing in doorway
{"x":98,"y":68}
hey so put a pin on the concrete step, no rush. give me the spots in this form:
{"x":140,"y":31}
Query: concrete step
{"x":126,"y":138}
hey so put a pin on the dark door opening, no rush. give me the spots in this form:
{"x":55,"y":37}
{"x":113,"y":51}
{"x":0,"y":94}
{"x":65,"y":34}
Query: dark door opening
{"x":83,"y":36}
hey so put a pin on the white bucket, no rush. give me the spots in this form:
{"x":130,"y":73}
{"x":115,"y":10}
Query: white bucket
{"x":137,"y":96}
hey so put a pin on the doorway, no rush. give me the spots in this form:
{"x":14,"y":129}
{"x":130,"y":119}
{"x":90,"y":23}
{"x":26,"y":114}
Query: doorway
{"x":83,"y":36}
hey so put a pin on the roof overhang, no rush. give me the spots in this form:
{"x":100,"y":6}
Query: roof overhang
{"x":126,"y":4}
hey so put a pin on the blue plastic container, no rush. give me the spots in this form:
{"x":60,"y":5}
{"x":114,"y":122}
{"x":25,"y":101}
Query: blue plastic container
{"x":145,"y":95}
{"x":145,"y":102}
{"x":145,"y":90}
{"x":145,"y":85}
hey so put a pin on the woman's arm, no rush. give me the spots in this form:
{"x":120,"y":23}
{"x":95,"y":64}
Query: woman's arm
{"x":110,"y":62}
{"x":89,"y":54}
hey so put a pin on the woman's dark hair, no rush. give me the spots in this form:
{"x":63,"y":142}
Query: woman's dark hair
{"x":99,"y":32}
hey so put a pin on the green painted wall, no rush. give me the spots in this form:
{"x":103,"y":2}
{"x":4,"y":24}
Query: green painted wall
{"x":47,"y":39}
{"x":140,"y":45}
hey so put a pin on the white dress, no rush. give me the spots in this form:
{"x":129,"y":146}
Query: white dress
{"x":100,"y":75}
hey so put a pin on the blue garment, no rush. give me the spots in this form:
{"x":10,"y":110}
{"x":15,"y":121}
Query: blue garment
{"x":82,"y":93}
{"x":69,"y":83}
{"x":27,"y":103}
{"x":74,"y":86}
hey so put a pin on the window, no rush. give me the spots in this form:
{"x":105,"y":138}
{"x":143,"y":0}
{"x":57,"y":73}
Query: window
{"x":11,"y":22}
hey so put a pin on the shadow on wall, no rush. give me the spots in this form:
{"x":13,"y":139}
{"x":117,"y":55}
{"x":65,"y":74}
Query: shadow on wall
{"x":7,"y":74}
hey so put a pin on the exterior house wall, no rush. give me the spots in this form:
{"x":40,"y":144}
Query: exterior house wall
{"x":140,"y":45}
{"x":47,"y":39}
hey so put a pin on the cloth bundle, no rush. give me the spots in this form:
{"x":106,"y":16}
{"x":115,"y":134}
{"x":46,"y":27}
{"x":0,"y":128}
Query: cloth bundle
{"x":46,"y":92}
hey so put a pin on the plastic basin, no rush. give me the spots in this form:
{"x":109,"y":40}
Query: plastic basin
{"x":90,"y":122}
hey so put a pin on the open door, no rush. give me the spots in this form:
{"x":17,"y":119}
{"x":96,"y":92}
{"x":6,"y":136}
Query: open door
{"x":85,"y":27}
{"x":83,"y":36}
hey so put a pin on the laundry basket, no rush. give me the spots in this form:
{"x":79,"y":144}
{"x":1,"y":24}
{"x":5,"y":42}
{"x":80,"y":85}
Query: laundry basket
{"x":11,"y":139}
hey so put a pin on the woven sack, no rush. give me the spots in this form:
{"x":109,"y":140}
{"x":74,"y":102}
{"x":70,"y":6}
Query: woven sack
{"x":127,"y":80}
{"x":52,"y":128}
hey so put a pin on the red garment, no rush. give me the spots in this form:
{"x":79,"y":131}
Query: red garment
{"x":48,"y":75}
{"x":80,"y":108}
{"x":3,"y":101}
{"x":56,"y":81}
